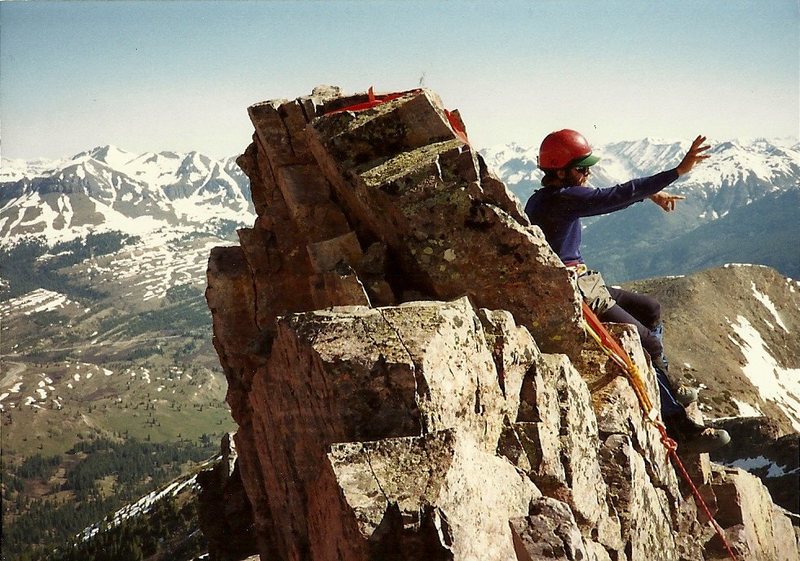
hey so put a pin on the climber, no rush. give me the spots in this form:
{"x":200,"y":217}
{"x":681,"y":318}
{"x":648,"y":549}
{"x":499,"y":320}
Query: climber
{"x":566,"y":159}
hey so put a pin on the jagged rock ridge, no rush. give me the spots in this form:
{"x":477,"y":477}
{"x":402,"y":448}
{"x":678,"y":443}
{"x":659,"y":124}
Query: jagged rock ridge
{"x":408,"y":372}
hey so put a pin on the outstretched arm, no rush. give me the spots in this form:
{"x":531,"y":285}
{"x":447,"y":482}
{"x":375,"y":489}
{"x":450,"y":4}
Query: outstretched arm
{"x":693,"y":157}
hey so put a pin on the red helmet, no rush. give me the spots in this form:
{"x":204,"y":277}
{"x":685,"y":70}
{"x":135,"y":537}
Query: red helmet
{"x":565,"y":148}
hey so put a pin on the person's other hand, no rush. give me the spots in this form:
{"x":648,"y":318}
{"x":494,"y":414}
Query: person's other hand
{"x":694,"y":156}
{"x":665,"y":200}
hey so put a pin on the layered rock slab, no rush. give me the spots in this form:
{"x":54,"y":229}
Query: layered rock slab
{"x":419,"y":384}
{"x":225,"y":511}
{"x":754,"y":526}
{"x":408,"y":179}
{"x":428,"y":496}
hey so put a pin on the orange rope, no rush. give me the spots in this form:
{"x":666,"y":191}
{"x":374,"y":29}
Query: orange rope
{"x":613,"y":350}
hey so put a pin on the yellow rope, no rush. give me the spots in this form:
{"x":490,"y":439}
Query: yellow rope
{"x":633,"y":374}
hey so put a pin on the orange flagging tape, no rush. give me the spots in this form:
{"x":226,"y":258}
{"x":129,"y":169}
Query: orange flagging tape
{"x":614,"y":350}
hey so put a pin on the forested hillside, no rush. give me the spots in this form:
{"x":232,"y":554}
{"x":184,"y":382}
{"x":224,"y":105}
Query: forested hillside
{"x":89,"y":483}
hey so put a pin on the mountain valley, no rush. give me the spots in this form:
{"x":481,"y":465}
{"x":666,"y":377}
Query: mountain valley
{"x":105,"y":333}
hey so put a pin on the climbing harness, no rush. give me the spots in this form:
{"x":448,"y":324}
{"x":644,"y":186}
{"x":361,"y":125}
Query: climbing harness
{"x":374,"y":100}
{"x":595,"y":328}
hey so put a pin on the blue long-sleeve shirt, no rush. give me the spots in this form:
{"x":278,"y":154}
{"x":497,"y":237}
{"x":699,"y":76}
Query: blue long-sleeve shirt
{"x":558,"y":210}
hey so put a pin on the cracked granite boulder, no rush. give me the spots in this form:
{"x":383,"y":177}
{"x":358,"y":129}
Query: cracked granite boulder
{"x":408,"y":371}
{"x":389,"y":411}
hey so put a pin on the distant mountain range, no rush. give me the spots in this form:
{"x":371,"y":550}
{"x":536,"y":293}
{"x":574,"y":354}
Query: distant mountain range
{"x":102,"y":268}
{"x":109,"y":189}
{"x":740,"y":206}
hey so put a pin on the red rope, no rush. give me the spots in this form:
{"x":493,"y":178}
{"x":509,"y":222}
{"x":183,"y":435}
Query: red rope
{"x":615,"y":351}
{"x":605,"y":338}
{"x":672,"y":448}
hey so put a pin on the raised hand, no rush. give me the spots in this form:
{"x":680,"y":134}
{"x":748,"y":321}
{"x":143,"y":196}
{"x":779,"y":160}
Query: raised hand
{"x":694,"y":156}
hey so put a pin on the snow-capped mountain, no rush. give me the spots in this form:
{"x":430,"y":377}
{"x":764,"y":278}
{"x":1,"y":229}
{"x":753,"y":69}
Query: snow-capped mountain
{"x":102,"y":262}
{"x":109,"y":189}
{"x":714,"y":225}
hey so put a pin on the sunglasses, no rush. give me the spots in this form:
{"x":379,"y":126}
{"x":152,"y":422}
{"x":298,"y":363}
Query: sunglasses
{"x":582,"y":170}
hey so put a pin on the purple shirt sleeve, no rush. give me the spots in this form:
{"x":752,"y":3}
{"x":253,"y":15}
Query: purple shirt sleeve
{"x":581,"y":201}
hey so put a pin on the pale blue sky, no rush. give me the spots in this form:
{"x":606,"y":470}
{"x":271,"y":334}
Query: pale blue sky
{"x":151,"y":76}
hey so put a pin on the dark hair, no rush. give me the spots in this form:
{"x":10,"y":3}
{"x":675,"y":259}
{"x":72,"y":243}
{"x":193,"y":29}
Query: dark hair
{"x":551,"y":179}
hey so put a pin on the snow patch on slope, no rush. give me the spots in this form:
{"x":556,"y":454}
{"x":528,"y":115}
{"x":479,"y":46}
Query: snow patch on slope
{"x":140,"y":507}
{"x":764,"y":299}
{"x":773,"y":382}
{"x":747,"y":410}
{"x":40,"y":300}
{"x":760,"y":462}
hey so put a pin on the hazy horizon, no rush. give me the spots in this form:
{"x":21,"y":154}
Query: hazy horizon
{"x":793,"y":140}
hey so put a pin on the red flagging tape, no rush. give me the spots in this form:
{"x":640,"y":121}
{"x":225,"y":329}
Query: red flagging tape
{"x":375,"y":100}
